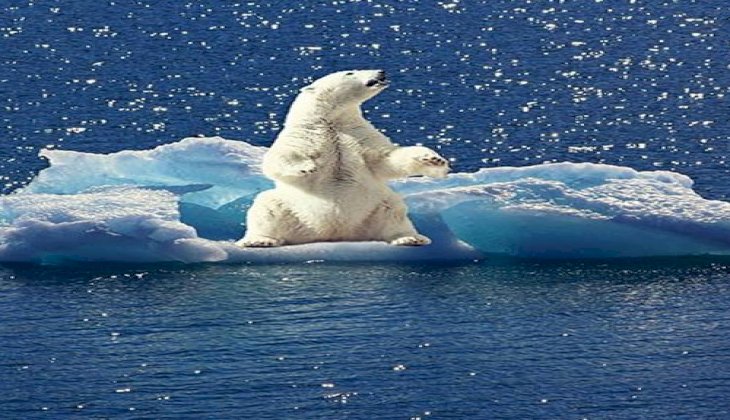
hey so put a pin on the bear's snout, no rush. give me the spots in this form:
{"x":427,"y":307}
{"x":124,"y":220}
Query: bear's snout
{"x":380,"y":79}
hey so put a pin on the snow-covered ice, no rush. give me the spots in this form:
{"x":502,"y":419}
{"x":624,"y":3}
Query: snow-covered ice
{"x":186,"y":202}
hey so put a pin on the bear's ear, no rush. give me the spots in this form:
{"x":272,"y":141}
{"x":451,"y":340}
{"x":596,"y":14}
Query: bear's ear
{"x":309,"y":88}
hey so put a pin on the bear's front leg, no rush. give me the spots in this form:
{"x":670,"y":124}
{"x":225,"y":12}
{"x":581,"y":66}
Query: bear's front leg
{"x":414,"y":160}
{"x":288,"y":167}
{"x":300,"y":168}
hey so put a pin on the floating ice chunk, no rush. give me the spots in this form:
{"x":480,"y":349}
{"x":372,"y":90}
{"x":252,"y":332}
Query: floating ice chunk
{"x":573,"y":175}
{"x":440,"y":250}
{"x":113,"y":224}
{"x":186,"y":202}
{"x":231,"y":167}
{"x":644,"y":216}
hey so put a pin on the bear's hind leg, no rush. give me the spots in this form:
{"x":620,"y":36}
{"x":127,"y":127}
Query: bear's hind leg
{"x":389,"y":222}
{"x":268,"y":222}
{"x":253,"y":241}
{"x":411,"y":240}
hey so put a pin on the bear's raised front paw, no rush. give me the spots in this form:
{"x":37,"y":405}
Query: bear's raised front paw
{"x":432,"y":159}
{"x":415,"y":240}
{"x":259,"y":242}
{"x":429,"y":163}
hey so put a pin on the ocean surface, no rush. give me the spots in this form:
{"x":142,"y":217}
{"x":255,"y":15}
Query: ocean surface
{"x":635,"y":83}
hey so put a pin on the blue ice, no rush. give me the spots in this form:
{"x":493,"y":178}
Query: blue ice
{"x":186,"y":202}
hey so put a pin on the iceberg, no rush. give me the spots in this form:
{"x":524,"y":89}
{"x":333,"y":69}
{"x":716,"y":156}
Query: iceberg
{"x":230,"y":168}
{"x":186,"y":202}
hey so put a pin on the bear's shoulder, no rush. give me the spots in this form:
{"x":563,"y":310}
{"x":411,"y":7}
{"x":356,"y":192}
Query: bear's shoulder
{"x":367,"y":137}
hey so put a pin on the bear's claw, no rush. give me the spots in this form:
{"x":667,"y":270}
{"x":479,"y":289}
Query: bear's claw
{"x":434,"y":160}
{"x":259,"y":242}
{"x":301,"y":169}
{"x":416,"y":240}
{"x":306,"y":171}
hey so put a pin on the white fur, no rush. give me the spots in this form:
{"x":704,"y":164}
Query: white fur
{"x":331,"y":168}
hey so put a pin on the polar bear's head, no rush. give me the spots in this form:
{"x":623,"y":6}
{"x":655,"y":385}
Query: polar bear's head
{"x":346,"y":88}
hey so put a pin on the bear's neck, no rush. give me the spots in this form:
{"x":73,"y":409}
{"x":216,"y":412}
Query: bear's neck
{"x":315,"y":113}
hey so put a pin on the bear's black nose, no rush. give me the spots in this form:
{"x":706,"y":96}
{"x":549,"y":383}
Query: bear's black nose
{"x":381,"y":79}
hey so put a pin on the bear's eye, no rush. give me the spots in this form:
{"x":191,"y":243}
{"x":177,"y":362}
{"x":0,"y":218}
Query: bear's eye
{"x":349,"y":73}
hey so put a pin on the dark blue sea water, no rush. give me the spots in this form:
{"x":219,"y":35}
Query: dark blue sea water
{"x":638,"y":83}
{"x":494,"y":340}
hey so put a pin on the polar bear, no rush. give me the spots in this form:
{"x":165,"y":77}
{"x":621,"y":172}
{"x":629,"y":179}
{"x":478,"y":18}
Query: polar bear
{"x":331,"y":169}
